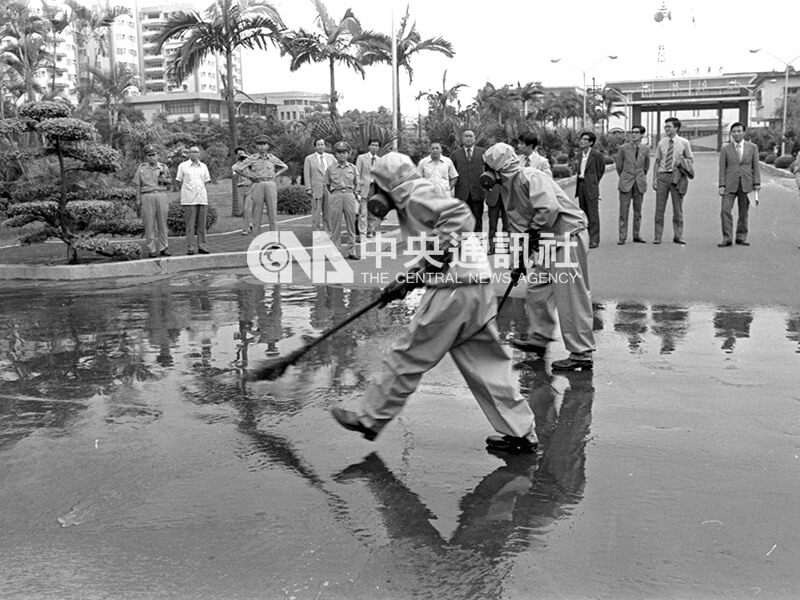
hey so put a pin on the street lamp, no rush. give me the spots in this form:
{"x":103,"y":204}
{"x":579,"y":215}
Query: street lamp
{"x":787,"y":64}
{"x":584,"y":71}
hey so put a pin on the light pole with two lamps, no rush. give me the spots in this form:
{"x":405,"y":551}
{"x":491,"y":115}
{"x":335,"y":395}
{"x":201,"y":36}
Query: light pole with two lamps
{"x":584,"y":71}
{"x":787,"y":64}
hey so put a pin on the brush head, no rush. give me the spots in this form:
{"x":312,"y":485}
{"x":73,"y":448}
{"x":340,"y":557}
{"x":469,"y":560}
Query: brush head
{"x":272,"y":369}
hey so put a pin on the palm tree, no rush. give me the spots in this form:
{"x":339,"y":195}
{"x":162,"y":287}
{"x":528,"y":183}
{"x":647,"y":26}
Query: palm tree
{"x":440,"y":100}
{"x":92,"y":26}
{"x":225,"y":27}
{"x":531,"y":92}
{"x":25,"y":36}
{"x":334,"y":43}
{"x":409,"y":43}
{"x":59,"y":20}
{"x":495,"y":102}
{"x":112,"y":86}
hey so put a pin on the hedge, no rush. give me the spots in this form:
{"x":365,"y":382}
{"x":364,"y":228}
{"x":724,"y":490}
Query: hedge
{"x":770,"y":159}
{"x":292,"y":200}
{"x":783,"y":162}
{"x":176,"y":222}
{"x":561,"y":171}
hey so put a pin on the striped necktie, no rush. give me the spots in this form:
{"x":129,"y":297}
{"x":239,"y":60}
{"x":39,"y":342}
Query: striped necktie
{"x":670,"y":157}
{"x":527,"y":161}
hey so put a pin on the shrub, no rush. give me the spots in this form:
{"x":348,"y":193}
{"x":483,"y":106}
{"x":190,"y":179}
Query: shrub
{"x":292,"y":200}
{"x":562,"y":159}
{"x":762,"y":155}
{"x":770,"y":159}
{"x":176,"y":222}
{"x":561,"y":171}
{"x":783,"y":162}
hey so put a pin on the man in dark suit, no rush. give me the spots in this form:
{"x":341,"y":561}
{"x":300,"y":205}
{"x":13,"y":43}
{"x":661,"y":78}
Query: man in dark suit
{"x":469,"y":163}
{"x":739,"y":175}
{"x":590,"y":168}
{"x":633,"y":161}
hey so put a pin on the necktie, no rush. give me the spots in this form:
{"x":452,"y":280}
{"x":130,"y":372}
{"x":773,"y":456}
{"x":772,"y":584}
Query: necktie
{"x":469,"y":154}
{"x":372,"y":162}
{"x":637,"y":154}
{"x":527,"y":161}
{"x":322,"y":161}
{"x":739,"y":150}
{"x":670,"y":152}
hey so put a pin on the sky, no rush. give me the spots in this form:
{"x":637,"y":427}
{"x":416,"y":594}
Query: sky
{"x":508,"y":41}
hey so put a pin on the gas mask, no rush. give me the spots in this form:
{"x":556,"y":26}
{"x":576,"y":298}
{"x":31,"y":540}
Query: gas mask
{"x":380,"y":201}
{"x":489,"y":178}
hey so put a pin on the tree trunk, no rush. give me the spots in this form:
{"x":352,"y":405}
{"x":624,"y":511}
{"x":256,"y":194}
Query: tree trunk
{"x":332,"y":100}
{"x":399,"y":113}
{"x":236,"y":209}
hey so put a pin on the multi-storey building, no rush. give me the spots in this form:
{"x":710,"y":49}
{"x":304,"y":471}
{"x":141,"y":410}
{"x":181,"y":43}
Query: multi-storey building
{"x":207,"y":78}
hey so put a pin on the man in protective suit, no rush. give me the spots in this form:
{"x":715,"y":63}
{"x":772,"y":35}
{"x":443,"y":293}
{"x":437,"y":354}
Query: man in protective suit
{"x":537,"y":206}
{"x":456,"y":313}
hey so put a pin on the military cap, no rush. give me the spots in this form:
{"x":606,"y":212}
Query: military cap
{"x":341,"y":146}
{"x":263,"y":139}
{"x":149,"y":149}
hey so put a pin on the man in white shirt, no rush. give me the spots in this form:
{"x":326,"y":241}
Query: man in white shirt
{"x":670,"y":152}
{"x":314,"y":168}
{"x":193,"y":176}
{"x":440,"y":170}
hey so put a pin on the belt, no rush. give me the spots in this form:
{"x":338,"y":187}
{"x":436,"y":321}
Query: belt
{"x":154,"y":192}
{"x":263,"y":179}
{"x":352,"y":191}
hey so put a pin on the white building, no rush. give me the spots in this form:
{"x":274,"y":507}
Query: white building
{"x":207,"y":78}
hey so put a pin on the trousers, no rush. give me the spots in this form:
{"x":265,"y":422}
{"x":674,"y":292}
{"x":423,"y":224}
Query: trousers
{"x":451,"y":320}
{"x":342,"y":209}
{"x":155,"y":206}
{"x":562,"y":292}
{"x":264,"y":193}
{"x":665,"y":188}
{"x":195,"y":216}
{"x":591,"y":206}
{"x":624,"y":212}
{"x":726,"y":215}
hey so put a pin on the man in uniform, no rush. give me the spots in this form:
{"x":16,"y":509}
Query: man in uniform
{"x":341,"y":181}
{"x":262,"y":169}
{"x":152,"y":180}
{"x":453,"y":318}
{"x":364,"y":163}
{"x":245,"y":187}
{"x":537,"y":205}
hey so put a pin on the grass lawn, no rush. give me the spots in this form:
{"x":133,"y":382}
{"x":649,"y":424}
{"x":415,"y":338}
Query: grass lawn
{"x":54,"y":252}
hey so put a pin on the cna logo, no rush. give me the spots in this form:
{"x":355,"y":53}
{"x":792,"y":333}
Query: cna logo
{"x":271,"y":253}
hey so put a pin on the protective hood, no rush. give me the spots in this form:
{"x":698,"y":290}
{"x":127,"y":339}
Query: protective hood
{"x":392,"y":170}
{"x":502,"y":158}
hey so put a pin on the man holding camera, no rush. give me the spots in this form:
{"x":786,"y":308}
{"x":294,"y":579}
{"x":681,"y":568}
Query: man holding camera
{"x":152,"y":179}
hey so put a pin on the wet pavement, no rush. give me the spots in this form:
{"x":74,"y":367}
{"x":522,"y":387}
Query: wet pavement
{"x":136,"y":464}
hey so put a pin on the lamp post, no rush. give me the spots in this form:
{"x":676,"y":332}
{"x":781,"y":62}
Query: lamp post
{"x":584,"y":71}
{"x":786,"y":64}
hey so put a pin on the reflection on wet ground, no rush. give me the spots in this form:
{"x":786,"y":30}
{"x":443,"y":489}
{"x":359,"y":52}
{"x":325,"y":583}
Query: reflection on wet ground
{"x":138,"y":464}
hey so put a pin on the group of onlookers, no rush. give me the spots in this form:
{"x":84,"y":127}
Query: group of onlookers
{"x":339,"y":190}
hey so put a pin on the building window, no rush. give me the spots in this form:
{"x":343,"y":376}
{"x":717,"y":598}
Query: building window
{"x":180,"y":108}
{"x":294,"y":115}
{"x":120,"y":51}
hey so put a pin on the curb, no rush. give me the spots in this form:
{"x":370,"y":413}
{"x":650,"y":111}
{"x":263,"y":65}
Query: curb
{"x":146,"y":267}
{"x":139,"y":268}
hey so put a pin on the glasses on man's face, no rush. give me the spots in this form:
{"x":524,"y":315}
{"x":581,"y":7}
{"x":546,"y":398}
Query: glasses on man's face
{"x":151,"y":154}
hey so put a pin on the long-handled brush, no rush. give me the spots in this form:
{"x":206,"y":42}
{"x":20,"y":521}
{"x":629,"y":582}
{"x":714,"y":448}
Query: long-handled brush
{"x":272,"y":369}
